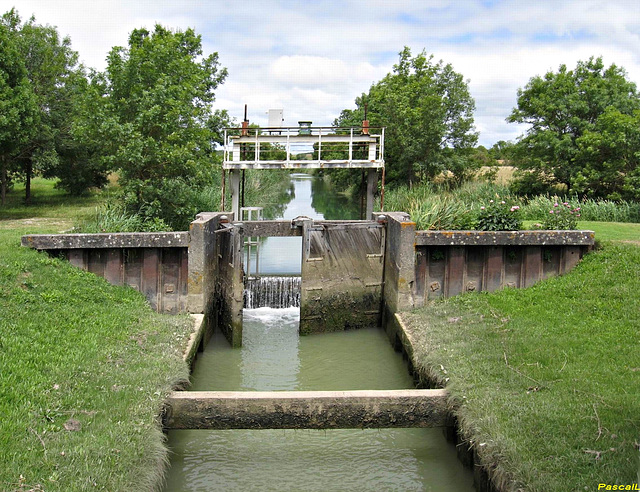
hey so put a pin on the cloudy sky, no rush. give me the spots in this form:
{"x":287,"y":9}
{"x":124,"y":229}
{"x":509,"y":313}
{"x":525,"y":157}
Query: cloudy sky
{"x":312,"y":58}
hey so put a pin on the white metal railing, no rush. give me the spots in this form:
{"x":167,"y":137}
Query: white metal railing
{"x":303,"y":147}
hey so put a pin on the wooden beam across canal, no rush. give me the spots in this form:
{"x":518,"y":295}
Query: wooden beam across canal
{"x":306,"y":409}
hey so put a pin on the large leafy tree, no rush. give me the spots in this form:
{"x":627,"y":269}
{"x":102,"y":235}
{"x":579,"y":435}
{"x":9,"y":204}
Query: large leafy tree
{"x":18,"y":108}
{"x":427,"y":110}
{"x":160,"y":122}
{"x":574,"y":117}
{"x":52,"y":72}
{"x":609,"y":157}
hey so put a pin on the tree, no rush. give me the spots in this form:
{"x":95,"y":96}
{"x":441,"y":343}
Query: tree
{"x":18,"y":109}
{"x":608,"y":157}
{"x":51,"y":68}
{"x":162,"y":128}
{"x":427,"y":110}
{"x":565,"y":110}
{"x":80,"y":143}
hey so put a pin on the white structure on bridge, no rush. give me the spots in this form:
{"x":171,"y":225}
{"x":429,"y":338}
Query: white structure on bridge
{"x":304,"y":147}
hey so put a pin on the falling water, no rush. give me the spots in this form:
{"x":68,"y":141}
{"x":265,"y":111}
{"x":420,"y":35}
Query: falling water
{"x":272,"y":292}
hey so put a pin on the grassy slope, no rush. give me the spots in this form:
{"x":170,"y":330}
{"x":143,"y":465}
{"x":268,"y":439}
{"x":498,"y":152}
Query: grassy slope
{"x":77,"y":351}
{"x":549,"y":376}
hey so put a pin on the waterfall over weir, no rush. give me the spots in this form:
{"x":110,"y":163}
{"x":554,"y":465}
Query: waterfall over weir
{"x":271,"y":291}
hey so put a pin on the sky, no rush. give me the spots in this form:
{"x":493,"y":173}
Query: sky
{"x":313,"y":58}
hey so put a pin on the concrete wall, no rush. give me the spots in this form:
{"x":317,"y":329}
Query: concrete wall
{"x":156,"y":264}
{"x":364,"y":409}
{"x":227,"y":301}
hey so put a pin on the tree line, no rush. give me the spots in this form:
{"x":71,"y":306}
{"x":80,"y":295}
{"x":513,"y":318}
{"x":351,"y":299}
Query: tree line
{"x":149,"y":117}
{"x":583,"y":134}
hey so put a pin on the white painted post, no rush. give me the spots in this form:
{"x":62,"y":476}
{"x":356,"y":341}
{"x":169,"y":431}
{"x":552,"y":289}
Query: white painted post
{"x":372,"y":182}
{"x":372,"y":151}
{"x":235,"y":193}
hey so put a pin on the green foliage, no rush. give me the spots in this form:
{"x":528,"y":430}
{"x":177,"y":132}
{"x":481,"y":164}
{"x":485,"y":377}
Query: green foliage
{"x":561,"y":217}
{"x":427,"y":110}
{"x":537,"y":208}
{"x":583,"y":130}
{"x":433,"y":207}
{"x":113,"y":217}
{"x":80,"y":163}
{"x":56,"y":89}
{"x":431,"y":210}
{"x":160,"y":122}
{"x":498,"y":215}
{"x":19,"y":113}
{"x":609,"y":156}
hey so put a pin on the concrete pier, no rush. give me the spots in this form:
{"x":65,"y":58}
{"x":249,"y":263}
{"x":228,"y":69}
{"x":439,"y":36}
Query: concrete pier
{"x":306,"y":409}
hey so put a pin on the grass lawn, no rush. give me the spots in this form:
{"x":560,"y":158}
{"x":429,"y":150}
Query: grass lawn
{"x":47,"y":201}
{"x":547,"y":378}
{"x":85,"y":368}
{"x":614,"y":231}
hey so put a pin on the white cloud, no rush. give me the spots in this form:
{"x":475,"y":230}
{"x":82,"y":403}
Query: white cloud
{"x":313,"y":58}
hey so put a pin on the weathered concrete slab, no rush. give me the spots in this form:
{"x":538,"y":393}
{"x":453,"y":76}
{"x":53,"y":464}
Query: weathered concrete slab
{"x":195,"y":339}
{"x":107,"y":240}
{"x":505,"y":238}
{"x":306,"y":409}
{"x":399,"y":267}
{"x":270,"y":228}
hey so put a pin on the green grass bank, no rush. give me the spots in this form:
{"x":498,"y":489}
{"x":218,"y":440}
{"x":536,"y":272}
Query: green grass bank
{"x":546,"y":379}
{"x":85,"y":368}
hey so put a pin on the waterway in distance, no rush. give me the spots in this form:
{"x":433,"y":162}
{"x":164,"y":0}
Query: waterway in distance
{"x":275,"y":357}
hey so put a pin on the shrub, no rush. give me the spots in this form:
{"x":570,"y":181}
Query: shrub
{"x":538,"y":208}
{"x":112,"y":217}
{"x":499,"y":216}
{"x":561,"y":217}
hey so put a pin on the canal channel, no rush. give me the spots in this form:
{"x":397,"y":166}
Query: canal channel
{"x":274,"y":357}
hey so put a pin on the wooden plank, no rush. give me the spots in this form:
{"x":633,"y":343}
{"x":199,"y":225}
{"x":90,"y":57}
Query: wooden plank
{"x":473,"y":278}
{"x":77,"y":258}
{"x":494,"y":268}
{"x":150,"y":267}
{"x":306,"y":409}
{"x":270,"y":228}
{"x":570,"y":257}
{"x":455,"y":271}
{"x":532,"y":265}
{"x":513,"y":267}
{"x":133,"y":258}
{"x":436,"y":266}
{"x":114,"y":269}
{"x":169,"y":280}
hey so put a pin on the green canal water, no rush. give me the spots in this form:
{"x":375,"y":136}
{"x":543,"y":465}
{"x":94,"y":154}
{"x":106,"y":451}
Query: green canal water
{"x":275,"y":357}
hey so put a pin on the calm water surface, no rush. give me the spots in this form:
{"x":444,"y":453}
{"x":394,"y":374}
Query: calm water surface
{"x":274,"y":357}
